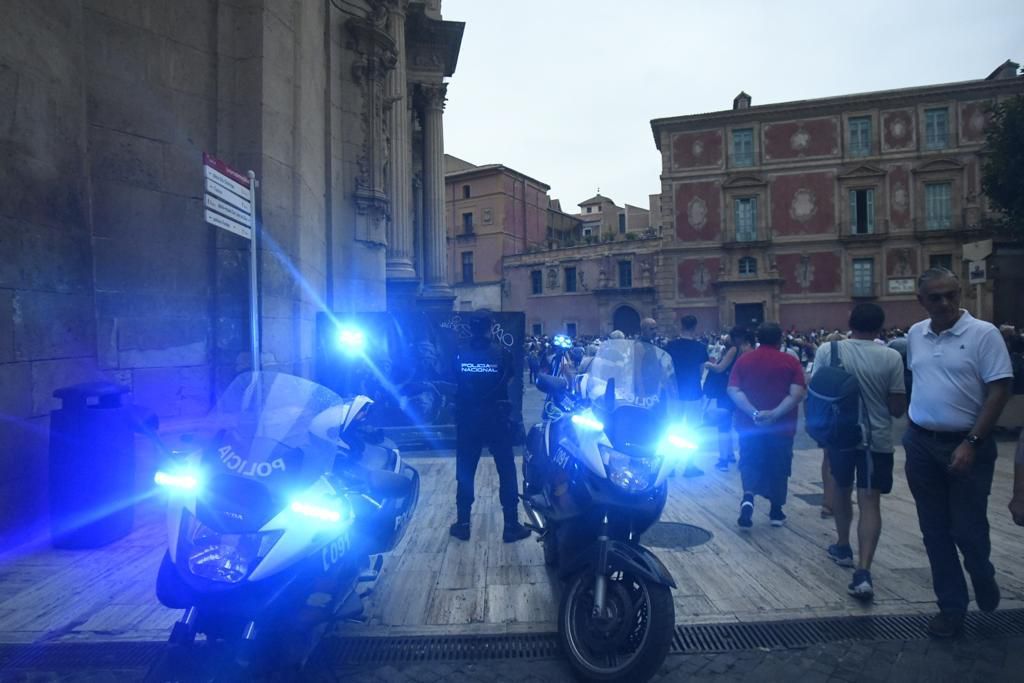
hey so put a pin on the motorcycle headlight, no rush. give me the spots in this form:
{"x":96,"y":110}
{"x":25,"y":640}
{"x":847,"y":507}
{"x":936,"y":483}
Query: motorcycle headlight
{"x":630,"y":473}
{"x":225,"y":558}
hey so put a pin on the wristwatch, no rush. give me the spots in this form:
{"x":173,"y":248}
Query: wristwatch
{"x":973,"y":439}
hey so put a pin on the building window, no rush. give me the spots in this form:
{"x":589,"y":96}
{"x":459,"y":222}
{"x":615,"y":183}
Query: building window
{"x":467,"y":223}
{"x":860,"y":136}
{"x":465,"y":191}
{"x":570,"y":329}
{"x":938,"y":206}
{"x":467,"y":267}
{"x":862,"y":212}
{"x":743,"y":147}
{"x":570,"y":279}
{"x":538,"y":329}
{"x":622,"y":224}
{"x":863,"y":276}
{"x":941,"y":261}
{"x":625,"y":274}
{"x":936,"y":128}
{"x":746,"y":219}
{"x":587,"y":232}
{"x":589,"y":209}
{"x":748,"y":265}
{"x":536,"y":282}
{"x":551,"y":233}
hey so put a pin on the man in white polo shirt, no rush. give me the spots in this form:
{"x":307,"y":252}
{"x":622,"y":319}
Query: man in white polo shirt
{"x":962,"y":377}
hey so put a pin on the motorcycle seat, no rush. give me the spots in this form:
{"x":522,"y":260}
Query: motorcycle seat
{"x":376,"y":457}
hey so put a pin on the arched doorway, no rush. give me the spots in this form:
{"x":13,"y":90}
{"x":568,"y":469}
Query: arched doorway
{"x":627,"y":320}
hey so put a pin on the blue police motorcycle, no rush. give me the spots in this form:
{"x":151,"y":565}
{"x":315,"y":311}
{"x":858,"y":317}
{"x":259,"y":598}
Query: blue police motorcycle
{"x":595,"y":475}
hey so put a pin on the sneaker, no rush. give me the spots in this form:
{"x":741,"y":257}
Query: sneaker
{"x":777,"y":517}
{"x":841,"y":554}
{"x":514,"y":531}
{"x":746,"y":519}
{"x":861,"y":587}
{"x":946,"y":624}
{"x":722,"y":465}
{"x":986,"y":594}
{"x":460,"y":530}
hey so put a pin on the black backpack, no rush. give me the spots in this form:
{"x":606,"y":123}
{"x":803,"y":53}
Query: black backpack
{"x":832,"y":411}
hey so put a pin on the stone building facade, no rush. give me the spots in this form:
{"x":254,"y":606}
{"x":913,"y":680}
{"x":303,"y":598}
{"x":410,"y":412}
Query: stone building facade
{"x":494,"y":212}
{"x":107,"y":269}
{"x":794,"y":211}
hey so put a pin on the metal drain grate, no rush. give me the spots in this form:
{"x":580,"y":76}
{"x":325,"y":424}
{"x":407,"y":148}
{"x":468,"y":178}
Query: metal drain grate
{"x":693,"y":639}
{"x":109,"y":655}
{"x":362,"y":650}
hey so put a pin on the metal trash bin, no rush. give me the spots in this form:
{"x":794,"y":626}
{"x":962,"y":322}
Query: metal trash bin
{"x":92,"y":466}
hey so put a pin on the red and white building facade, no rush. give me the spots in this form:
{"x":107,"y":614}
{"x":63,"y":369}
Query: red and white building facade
{"x":795,"y":211}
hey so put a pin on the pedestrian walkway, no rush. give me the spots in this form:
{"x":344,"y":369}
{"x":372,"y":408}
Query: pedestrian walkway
{"x":433,"y":583}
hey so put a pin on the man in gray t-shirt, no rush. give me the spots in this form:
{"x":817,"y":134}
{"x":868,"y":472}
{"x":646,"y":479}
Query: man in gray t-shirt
{"x":879,"y":371}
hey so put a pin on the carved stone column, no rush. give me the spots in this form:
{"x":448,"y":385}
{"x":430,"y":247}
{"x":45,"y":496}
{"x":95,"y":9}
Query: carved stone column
{"x":436,"y":288}
{"x":399,"y":180}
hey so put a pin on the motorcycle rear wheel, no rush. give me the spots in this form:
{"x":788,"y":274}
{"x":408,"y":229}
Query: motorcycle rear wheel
{"x":631,"y":642}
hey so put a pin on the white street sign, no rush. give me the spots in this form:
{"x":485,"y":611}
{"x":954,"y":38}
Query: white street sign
{"x":977,"y":272}
{"x":977,"y":251}
{"x":228,"y":196}
{"x":228,"y":184}
{"x":228,"y":224}
{"x":226,"y":209}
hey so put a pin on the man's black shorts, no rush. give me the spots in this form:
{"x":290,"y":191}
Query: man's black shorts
{"x":844,"y":464}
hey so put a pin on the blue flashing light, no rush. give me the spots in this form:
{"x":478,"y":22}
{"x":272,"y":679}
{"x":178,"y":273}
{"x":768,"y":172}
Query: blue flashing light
{"x":184,"y":480}
{"x":329,"y":511}
{"x":678,"y":440}
{"x":587,"y":422}
{"x":351,"y":341}
{"x":562,"y":341}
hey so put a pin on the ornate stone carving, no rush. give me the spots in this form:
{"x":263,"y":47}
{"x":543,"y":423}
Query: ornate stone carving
{"x":552,"y":278}
{"x":646,"y":272}
{"x":898,"y":129}
{"x":799,"y":140}
{"x":697,"y":213}
{"x":804,"y":205}
{"x":433,"y":95}
{"x":902,"y":266}
{"x":804,"y":272}
{"x":900,"y":197}
{"x":701,"y":278}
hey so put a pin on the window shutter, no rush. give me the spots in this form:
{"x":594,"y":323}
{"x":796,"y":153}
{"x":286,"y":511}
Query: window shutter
{"x":871,"y":211}
{"x":853,"y":212}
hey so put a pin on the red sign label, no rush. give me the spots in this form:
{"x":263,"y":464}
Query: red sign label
{"x":219,"y":166}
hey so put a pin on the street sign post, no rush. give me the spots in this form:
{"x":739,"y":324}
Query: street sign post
{"x":976,"y":253}
{"x":230,"y":204}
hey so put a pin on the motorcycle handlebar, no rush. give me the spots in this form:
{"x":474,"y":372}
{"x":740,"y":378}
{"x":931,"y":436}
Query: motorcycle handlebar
{"x":551,"y":385}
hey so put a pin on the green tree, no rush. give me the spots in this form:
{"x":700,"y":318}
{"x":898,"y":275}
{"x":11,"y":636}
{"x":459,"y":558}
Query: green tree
{"x":1003,"y":172}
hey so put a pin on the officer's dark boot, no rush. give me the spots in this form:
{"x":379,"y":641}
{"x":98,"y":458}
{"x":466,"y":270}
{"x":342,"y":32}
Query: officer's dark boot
{"x":514,"y":531}
{"x":460,"y":529}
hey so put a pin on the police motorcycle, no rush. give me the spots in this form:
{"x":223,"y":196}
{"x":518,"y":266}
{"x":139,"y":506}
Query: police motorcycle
{"x":595,"y":479}
{"x":273,"y":523}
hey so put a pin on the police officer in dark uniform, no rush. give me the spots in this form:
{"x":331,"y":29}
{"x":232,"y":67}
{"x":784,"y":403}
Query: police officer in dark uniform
{"x":483,"y":417}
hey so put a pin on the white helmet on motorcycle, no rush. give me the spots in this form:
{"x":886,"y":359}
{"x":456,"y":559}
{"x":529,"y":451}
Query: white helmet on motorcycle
{"x":332,"y":424}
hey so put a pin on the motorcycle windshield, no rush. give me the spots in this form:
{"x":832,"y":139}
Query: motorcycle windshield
{"x":643,"y":373}
{"x":262,"y":422}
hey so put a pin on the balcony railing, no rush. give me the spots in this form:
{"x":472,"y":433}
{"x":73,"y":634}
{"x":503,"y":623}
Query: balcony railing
{"x":848,"y":232}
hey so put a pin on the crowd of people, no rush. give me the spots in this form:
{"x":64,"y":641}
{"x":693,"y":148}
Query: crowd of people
{"x":951,"y":373}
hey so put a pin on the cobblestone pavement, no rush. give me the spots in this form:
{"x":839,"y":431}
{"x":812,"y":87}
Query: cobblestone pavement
{"x":988,"y":661}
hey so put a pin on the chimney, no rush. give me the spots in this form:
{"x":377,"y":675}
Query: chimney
{"x":742,"y":101}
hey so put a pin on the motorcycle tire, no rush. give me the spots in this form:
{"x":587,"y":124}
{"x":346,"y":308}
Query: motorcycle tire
{"x":596,"y":662}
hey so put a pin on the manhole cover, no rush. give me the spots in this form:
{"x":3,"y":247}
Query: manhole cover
{"x":675,"y":536}
{"x":811,"y":498}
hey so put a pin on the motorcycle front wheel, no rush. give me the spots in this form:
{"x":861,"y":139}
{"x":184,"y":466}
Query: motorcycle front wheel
{"x":630,"y":640}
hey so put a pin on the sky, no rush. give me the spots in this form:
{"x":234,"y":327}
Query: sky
{"x":564,"y":90}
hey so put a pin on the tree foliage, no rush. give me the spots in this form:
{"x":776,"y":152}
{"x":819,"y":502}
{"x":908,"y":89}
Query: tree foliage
{"x":1003,"y":173}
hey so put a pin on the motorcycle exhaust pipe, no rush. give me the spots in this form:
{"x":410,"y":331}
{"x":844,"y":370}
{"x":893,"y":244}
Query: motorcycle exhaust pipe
{"x":536,"y":520}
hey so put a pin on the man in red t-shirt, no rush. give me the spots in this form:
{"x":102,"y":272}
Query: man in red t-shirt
{"x":767,"y":386}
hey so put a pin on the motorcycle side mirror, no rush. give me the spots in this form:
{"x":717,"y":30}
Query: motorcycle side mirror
{"x":551,"y":385}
